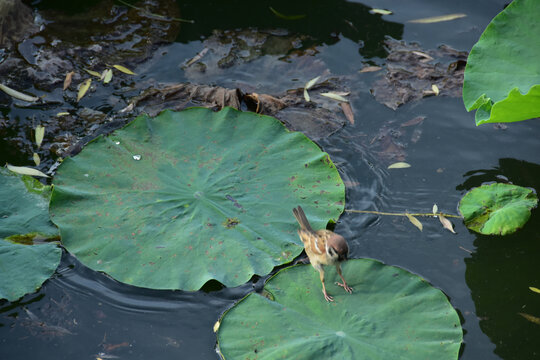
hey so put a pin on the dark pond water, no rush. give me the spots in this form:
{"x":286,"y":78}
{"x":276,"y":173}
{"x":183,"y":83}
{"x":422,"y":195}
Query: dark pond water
{"x":82,"y":314}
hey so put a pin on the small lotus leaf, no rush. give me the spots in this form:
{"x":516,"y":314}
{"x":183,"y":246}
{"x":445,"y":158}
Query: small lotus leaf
{"x":391,"y":314}
{"x":24,"y":215}
{"x":174,"y":201}
{"x":502,"y":77}
{"x":497,"y":209}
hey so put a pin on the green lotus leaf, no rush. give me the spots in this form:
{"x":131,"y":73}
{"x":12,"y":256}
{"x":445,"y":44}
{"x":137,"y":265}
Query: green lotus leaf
{"x":497,"y":209}
{"x":502,"y":77}
{"x":174,"y":201}
{"x":391,"y":314}
{"x":23,"y":217}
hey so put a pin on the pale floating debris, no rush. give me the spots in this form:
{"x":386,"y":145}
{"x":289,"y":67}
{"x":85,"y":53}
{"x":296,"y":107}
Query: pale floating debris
{"x":37,"y":160}
{"x":39,"y":134}
{"x":137,"y":157}
{"x":536,"y":290}
{"x":67,"y":80}
{"x":83,"y":88}
{"x":64,"y":113}
{"x":106,"y":76}
{"x":424,"y":55}
{"x":370,"y":69}
{"x":124,"y":69}
{"x":334,"y":96}
{"x":25,"y":171}
{"x":18,"y":95}
{"x":86,"y":175}
{"x":435,"y":209}
{"x":435,"y":89}
{"x":533,"y":319}
{"x":117,"y":142}
{"x":197,"y":57}
{"x":435,"y":19}
{"x":306,"y":95}
{"x":381,"y":11}
{"x":93,"y":73}
{"x":415,"y":221}
{"x":216,"y":326}
{"x":399,"y":165}
{"x":311,"y":82}
{"x":446,"y":223}
{"x":128,"y":108}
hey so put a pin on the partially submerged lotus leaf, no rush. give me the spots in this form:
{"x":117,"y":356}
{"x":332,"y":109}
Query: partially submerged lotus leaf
{"x":497,"y":209}
{"x":391,"y":314}
{"x":210,"y":198}
{"x":23,"y":217}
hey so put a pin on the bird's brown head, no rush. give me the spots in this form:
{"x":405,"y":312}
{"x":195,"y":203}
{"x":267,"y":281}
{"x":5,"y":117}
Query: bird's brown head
{"x":337,"y":247}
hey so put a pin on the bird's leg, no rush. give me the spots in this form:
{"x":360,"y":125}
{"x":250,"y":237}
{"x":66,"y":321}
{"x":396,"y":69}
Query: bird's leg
{"x":321,"y":274}
{"x":344,"y":285}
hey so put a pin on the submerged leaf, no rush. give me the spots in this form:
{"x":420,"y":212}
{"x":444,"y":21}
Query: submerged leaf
{"x":67,"y":80}
{"x":399,"y":165}
{"x":286,"y":17}
{"x":446,"y":223}
{"x":533,"y":319}
{"x":39,"y":134}
{"x":390,"y":310}
{"x":436,"y":19}
{"x":25,"y":171}
{"x":415,"y":221}
{"x":83,"y":88}
{"x":124,"y":69}
{"x":18,"y":95}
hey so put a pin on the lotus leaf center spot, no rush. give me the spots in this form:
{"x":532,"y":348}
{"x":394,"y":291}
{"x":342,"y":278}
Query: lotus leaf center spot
{"x":198,"y":194}
{"x":340,"y":333}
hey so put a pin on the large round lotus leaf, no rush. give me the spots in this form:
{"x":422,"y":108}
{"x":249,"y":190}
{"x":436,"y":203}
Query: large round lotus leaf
{"x":502,"y":77}
{"x":391,"y":314}
{"x":497,"y":209}
{"x":23,"y":216}
{"x":174,"y":201}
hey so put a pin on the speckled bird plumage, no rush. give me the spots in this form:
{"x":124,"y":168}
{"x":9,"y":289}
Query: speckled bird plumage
{"x":323,"y":247}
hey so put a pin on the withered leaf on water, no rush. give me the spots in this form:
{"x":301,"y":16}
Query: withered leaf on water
{"x":435,"y":209}
{"x":425,"y":56}
{"x":435,"y":19}
{"x":347,"y":110}
{"x":123,"y":69}
{"x":18,"y":95}
{"x":446,"y":223}
{"x":286,"y":17}
{"x":531,"y":318}
{"x":93,"y":73}
{"x":435,"y":89}
{"x":415,"y":121}
{"x":380,"y":11}
{"x":197,"y":57}
{"x":39,"y":133}
{"x":25,"y":171}
{"x":106,"y":76}
{"x":63,"y":113}
{"x":67,"y":80}
{"x":536,"y":290}
{"x":414,"y":221}
{"x":399,"y":165}
{"x":83,"y":88}
{"x":311,"y":82}
{"x":37,"y":160}
{"x":306,"y":95}
{"x":334,"y":96}
{"x":216,"y":326}
{"x":370,"y":69}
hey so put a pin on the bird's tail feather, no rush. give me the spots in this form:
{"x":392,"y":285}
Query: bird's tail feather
{"x":302,"y":219}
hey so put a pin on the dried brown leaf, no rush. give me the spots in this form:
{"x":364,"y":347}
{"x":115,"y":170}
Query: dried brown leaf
{"x":531,"y":318}
{"x":446,"y":223}
{"x":415,"y":221}
{"x":415,"y":121}
{"x":347,"y":110}
{"x":67,"y":80}
{"x":370,"y":69}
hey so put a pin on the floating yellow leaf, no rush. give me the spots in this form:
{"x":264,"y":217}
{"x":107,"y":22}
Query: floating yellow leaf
{"x":83,"y":88}
{"x":399,"y":165}
{"x":37,"y":160}
{"x":380,"y":11}
{"x":415,"y":221}
{"x":435,"y":19}
{"x":39,"y":133}
{"x":536,"y":290}
{"x":25,"y":171}
{"x":311,"y":82}
{"x":435,"y":209}
{"x":435,"y":89}
{"x":124,"y":69}
{"x":93,"y":73}
{"x":106,"y":76}
{"x":531,"y":318}
{"x":67,"y":80}
{"x":306,"y":95}
{"x":446,"y":223}
{"x":62,"y":114}
{"x":216,"y":326}
{"x":18,"y":95}
{"x":334,"y":96}
{"x":286,"y":17}
{"x":370,"y":69}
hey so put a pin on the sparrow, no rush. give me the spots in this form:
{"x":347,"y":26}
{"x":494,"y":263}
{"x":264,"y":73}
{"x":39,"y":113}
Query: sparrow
{"x":323,"y":247}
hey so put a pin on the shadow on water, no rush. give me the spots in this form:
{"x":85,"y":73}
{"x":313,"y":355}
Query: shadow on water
{"x":501,"y":270}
